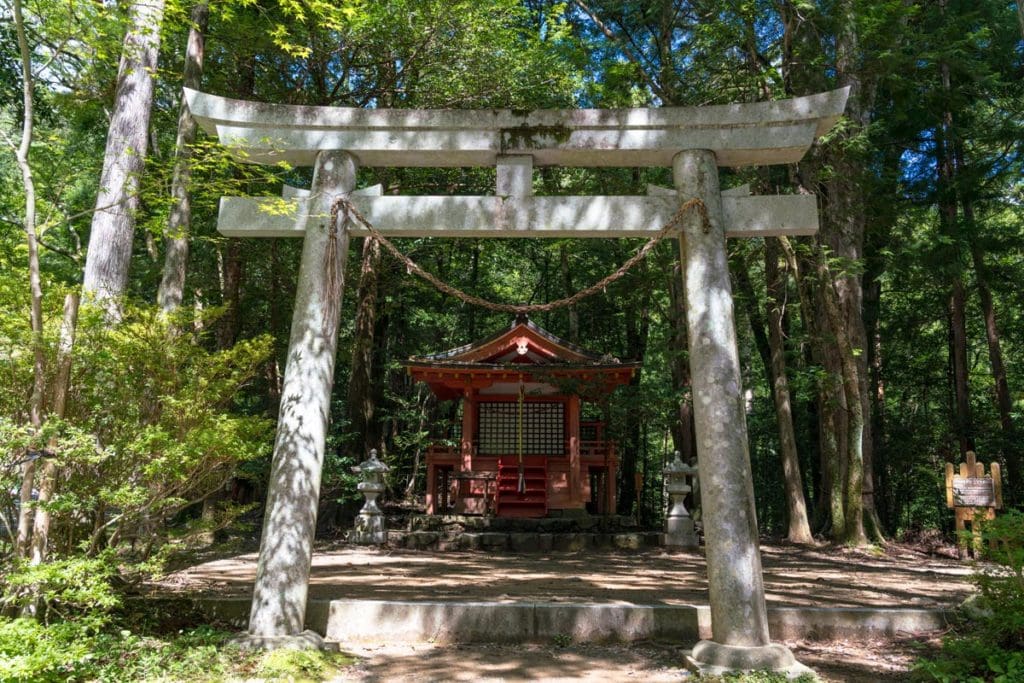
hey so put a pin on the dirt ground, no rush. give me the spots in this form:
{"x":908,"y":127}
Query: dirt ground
{"x":794,"y":576}
{"x":871,"y":662}
{"x":898,"y":576}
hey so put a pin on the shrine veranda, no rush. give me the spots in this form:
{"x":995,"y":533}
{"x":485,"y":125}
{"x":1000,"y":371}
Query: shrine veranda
{"x":694,"y":142}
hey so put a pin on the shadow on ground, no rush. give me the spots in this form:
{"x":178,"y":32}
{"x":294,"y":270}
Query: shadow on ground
{"x":795,"y":577}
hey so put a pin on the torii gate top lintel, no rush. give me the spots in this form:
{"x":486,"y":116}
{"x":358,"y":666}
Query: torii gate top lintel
{"x":748,"y":134}
{"x":739,"y":135}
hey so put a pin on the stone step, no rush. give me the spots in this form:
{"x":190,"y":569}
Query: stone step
{"x":563,"y":524}
{"x":520,"y":541}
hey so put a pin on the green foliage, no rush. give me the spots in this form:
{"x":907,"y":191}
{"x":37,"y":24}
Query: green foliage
{"x":562,"y":640}
{"x":76,"y":588}
{"x":157,"y":422}
{"x":154,"y":427}
{"x":988,"y":644}
{"x":31,"y":652}
{"x":300,"y":665}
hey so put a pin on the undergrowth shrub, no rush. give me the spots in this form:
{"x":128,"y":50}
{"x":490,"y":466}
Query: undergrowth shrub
{"x":32,"y":652}
{"x":987,"y":643}
{"x":158,"y":420}
{"x":74,"y":588}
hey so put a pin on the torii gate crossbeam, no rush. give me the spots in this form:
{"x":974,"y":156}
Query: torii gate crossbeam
{"x":694,"y":142}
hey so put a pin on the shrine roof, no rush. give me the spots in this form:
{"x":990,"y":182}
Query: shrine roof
{"x":523,"y":343}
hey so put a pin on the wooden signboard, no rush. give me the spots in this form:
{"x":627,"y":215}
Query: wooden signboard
{"x":976,"y":492}
{"x":974,"y":495}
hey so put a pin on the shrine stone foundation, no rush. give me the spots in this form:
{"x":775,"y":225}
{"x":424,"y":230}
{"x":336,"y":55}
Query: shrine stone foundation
{"x":694,"y":142}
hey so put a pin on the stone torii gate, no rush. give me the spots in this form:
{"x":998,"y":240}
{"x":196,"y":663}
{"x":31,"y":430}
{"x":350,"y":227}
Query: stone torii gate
{"x":694,"y":142}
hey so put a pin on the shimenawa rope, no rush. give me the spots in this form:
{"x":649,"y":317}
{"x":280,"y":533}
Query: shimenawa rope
{"x":351,"y":212}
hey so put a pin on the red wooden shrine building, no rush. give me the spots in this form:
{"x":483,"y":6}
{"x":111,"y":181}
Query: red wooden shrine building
{"x":523,"y":449}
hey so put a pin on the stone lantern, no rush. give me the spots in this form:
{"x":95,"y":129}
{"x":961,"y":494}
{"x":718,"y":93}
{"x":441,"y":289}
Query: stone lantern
{"x":679,"y":531}
{"x":369,"y":526}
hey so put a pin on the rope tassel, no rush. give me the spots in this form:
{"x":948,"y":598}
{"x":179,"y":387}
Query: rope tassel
{"x":519,"y":436}
{"x":339,"y":212}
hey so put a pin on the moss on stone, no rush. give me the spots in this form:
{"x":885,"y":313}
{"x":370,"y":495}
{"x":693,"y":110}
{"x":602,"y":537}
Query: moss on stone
{"x":533,"y":137}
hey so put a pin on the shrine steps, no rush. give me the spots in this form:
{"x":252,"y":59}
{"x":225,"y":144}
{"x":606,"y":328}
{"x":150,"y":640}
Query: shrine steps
{"x":515,"y":534}
{"x":532,"y":501}
{"x":406,"y":621}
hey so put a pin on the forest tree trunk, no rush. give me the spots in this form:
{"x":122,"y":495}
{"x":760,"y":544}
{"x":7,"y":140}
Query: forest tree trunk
{"x":1004,"y":402}
{"x":829,"y":514}
{"x":573,"y":311}
{"x":172,"y":283}
{"x":949,"y":223}
{"x":638,"y":325}
{"x":361,"y":403}
{"x":799,"y":528}
{"x":679,"y":366}
{"x":874,"y":478}
{"x":113,"y":223}
{"x":61,"y":386}
{"x":229,"y":325}
{"x":36,"y":402}
{"x":852,"y":472}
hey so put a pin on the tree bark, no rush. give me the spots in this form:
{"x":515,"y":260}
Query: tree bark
{"x":273,"y":371}
{"x":638,"y":325}
{"x":361,"y":403}
{"x":844,"y":233}
{"x":828,"y":505}
{"x":36,"y":402}
{"x":874,"y":478}
{"x":679,"y":366}
{"x":573,"y":311}
{"x":113,"y":224}
{"x":799,"y":527}
{"x":949,"y":223}
{"x":231,"y":293}
{"x":172,"y":284}
{"x":1004,"y":401}
{"x":852,"y":531}
{"x":745,"y":288}
{"x":423,"y":402}
{"x":48,"y":480}
{"x":958,"y":358}
{"x":474,"y":279}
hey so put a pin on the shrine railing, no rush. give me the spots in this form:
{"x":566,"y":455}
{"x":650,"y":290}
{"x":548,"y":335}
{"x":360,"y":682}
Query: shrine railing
{"x":589,"y":450}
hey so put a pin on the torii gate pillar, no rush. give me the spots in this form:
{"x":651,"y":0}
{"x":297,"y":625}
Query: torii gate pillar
{"x":286,"y":548}
{"x":739,"y":617}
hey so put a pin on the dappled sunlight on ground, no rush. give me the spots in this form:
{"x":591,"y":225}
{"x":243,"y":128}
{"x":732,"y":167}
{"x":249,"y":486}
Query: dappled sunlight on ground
{"x":652,"y":662}
{"x":825,"y":576}
{"x":426,"y":662}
